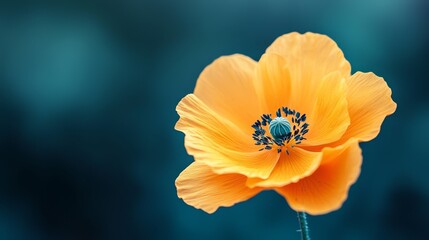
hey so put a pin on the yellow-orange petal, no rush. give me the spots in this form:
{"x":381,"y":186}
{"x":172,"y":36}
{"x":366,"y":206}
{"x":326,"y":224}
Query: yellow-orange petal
{"x":217,"y":142}
{"x":274,"y":85}
{"x":227,"y":86}
{"x":332,"y":152}
{"x":325,"y":104}
{"x":312,"y":56}
{"x":327,"y":188}
{"x":201,"y":188}
{"x":290,"y":168}
{"x":329,"y":117}
{"x":369,"y":102}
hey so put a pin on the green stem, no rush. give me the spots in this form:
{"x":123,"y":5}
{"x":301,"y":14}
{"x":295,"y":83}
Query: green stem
{"x":305,"y":231}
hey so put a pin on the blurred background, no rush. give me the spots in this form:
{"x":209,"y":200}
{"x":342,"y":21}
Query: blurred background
{"x":88,"y":91}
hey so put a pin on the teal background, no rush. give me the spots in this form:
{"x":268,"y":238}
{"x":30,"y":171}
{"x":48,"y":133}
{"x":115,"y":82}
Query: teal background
{"x":88,"y":91}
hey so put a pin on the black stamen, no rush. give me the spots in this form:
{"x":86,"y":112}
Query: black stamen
{"x":278,"y":113}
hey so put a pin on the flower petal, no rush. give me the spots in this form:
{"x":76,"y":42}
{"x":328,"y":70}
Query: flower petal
{"x":199,"y":187}
{"x":329,"y":118}
{"x":274,"y":84}
{"x":325,"y":103}
{"x":227,"y":87}
{"x":291,"y":167}
{"x":312,"y":55}
{"x":370,"y":101}
{"x":327,"y":188}
{"x":218,"y":143}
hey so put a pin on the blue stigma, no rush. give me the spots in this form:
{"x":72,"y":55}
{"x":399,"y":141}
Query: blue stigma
{"x":280,"y":128}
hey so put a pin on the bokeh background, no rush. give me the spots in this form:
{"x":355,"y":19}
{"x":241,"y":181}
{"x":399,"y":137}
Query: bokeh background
{"x":88,"y":91}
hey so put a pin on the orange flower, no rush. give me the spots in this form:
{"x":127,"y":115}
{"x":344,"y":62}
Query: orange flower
{"x":291,"y":122}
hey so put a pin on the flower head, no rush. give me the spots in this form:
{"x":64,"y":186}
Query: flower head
{"x":291,"y":122}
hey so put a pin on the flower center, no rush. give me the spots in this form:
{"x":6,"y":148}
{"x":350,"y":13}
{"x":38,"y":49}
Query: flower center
{"x":283,"y":133}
